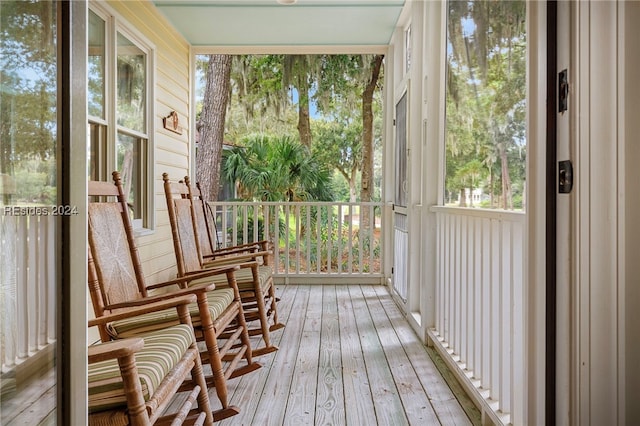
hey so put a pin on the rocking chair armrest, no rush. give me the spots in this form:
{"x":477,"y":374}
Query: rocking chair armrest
{"x":200,"y":288}
{"x":114,"y":349}
{"x":233,"y":250}
{"x":140,"y":307}
{"x":196,"y":289}
{"x":240,"y":258}
{"x":262,"y":243}
{"x":199,"y":274}
{"x":252,"y":264}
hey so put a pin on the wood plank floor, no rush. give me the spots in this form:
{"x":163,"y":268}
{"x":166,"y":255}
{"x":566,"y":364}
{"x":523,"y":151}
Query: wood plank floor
{"x":347,"y":357}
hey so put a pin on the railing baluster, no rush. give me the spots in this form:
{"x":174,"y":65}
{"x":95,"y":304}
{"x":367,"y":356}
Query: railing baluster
{"x":464,"y":284}
{"x":51,"y":272}
{"x":22,"y":282}
{"x":339,"y":254}
{"x":350,"y":239}
{"x":517,"y":319}
{"x":298,"y":228}
{"x":9,"y":281}
{"x":307,"y":239}
{"x":276,"y":239}
{"x":40,"y":325}
{"x":329,"y":239}
{"x":506,"y":348}
{"x":319,"y":211}
{"x":440,"y":255}
{"x":363,"y":235}
{"x":256,"y":224}
{"x":287,"y":239}
{"x":223,"y":226}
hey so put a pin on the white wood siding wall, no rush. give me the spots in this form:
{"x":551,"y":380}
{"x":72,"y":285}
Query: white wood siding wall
{"x":607,"y":246}
{"x":171,"y":153}
{"x":597,"y":217}
{"x":629,"y":176}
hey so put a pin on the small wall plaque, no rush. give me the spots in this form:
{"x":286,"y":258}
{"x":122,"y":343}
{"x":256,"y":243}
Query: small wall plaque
{"x":171,"y":123}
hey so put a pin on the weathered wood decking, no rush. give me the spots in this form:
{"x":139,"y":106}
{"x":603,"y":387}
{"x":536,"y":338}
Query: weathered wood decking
{"x":347,"y":357}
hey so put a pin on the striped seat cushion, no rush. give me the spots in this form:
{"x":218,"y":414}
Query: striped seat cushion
{"x":162,"y":350}
{"x":218,"y":299}
{"x":244,"y":278}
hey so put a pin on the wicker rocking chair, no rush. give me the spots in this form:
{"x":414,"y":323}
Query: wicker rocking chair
{"x":119,"y":281}
{"x":255,"y":280}
{"x":133,"y":381}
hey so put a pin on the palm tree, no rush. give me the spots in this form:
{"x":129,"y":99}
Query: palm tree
{"x":269,"y":168}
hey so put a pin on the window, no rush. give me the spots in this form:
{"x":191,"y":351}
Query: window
{"x":35,"y":39}
{"x":485,"y":104}
{"x":407,"y":50}
{"x":400,"y":198}
{"x":119,"y":105}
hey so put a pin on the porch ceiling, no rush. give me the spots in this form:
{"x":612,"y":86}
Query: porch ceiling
{"x":263,"y":23}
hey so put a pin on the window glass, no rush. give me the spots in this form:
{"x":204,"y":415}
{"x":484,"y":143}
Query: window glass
{"x":96,"y":152}
{"x":485,"y":104}
{"x":118,"y":106}
{"x":401,"y":152}
{"x":96,"y":66}
{"x":131,"y":85}
{"x":131,"y":163}
{"x":29,"y":211}
{"x":407,"y":50}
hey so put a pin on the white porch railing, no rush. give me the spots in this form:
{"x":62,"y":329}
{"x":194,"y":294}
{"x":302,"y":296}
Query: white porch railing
{"x":479,"y":305}
{"x":27,"y":287}
{"x":312,"y":240}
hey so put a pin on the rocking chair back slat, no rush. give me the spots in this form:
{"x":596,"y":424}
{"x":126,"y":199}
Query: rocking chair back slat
{"x":110,"y":250}
{"x":204,"y":221}
{"x":168,"y":355}
{"x":185,"y":236}
{"x":113,"y":249}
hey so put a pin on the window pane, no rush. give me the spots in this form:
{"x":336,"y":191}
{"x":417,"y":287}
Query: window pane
{"x":131,"y":85}
{"x":97,"y":152}
{"x":485,"y":104}
{"x":131,"y":162}
{"x":401,"y":152}
{"x":28,"y":193}
{"x":96,"y":66}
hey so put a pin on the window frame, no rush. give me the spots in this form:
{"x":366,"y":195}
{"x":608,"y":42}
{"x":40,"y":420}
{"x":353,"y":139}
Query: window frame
{"x":407,"y":49}
{"x":107,"y":160}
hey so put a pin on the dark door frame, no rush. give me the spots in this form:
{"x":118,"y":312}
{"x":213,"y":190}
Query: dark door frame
{"x":551,"y":215}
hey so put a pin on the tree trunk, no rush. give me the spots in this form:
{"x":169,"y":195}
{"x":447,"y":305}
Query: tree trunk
{"x":211,"y":125}
{"x":367,"y":139}
{"x":304,"y":123}
{"x":462,"y":201}
{"x":507,"y":202}
{"x":491,"y":194}
{"x":353,"y":196}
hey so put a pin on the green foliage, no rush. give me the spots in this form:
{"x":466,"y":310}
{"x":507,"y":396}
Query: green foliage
{"x":264,"y":92}
{"x":271,"y":168}
{"x":485,"y":105}
{"x":28,"y":82}
{"x":35,"y":186}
